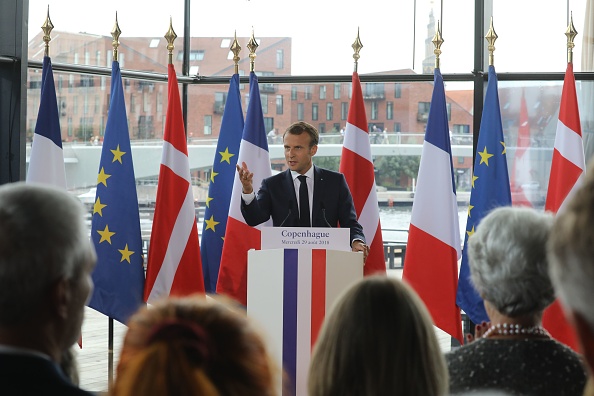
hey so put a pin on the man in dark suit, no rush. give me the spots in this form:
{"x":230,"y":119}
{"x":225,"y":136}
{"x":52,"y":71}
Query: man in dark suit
{"x":304,"y":195}
{"x":46,"y":260}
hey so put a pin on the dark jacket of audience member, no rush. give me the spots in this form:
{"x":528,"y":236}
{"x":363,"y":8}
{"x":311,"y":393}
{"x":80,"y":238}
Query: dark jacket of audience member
{"x":378,"y":340}
{"x":194,"y":346}
{"x":508,"y":266}
{"x":46,"y":260}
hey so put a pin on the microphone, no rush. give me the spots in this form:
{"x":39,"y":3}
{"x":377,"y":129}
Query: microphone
{"x":288,"y":214}
{"x":324,"y":216}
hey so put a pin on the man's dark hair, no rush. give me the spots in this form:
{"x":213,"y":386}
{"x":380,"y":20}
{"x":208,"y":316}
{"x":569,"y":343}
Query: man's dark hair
{"x":299,"y":127}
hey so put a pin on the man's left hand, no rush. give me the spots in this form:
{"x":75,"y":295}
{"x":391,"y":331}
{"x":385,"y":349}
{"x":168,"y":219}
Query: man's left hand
{"x":359,"y":246}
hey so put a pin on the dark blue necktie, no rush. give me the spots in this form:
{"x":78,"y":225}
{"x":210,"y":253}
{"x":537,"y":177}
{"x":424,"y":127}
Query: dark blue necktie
{"x":303,"y":203}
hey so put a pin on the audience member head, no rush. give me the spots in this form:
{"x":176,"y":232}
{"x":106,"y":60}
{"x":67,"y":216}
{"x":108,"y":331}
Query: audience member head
{"x":378,"y":339}
{"x":571,"y":248}
{"x":508,"y":261}
{"x":46,"y":260}
{"x":194,"y":346}
{"x":297,"y":128}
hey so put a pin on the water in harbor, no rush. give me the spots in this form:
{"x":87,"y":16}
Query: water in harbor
{"x":395,"y":221}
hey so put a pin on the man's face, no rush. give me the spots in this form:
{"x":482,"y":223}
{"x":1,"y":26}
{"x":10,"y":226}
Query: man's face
{"x":298,"y":154}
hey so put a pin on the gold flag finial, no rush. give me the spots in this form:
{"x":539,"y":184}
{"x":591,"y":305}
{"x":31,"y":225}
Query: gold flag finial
{"x":437,"y":42}
{"x":252,"y":46}
{"x":570,"y":33}
{"x":357,"y":45}
{"x":170,"y":36}
{"x":115,"y":33}
{"x":47,"y":30}
{"x":235,"y":48}
{"x":491,"y":38}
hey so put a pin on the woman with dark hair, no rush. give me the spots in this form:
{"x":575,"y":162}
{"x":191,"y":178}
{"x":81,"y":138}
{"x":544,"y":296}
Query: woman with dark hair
{"x":194,"y":346}
{"x":508,"y":267}
{"x":378,"y":340}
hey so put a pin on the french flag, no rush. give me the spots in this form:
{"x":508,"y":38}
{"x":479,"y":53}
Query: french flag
{"x":46,"y":164}
{"x":567,"y":173}
{"x":434,"y":247}
{"x":240,"y":237}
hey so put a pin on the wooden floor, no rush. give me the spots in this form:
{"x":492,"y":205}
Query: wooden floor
{"x":93,"y":358}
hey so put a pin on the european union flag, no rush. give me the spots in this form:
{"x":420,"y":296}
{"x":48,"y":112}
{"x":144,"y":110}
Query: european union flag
{"x":115,"y":229}
{"x":221,"y":186}
{"x":490,"y":189}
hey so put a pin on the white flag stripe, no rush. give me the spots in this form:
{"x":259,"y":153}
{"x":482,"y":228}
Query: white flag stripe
{"x":176,"y":161}
{"x":258,"y":162}
{"x":570,"y":146}
{"x":46,"y":164}
{"x":438,"y":215}
{"x":369,"y":217}
{"x":357,"y":141}
{"x":176,"y":247}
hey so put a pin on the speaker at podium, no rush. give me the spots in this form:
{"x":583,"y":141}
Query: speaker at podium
{"x":291,"y":283}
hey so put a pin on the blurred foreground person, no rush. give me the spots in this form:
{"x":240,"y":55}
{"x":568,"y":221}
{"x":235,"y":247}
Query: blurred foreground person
{"x":194,"y":346}
{"x":571,"y":252}
{"x":46,"y":260}
{"x":378,"y":340}
{"x":508,"y":267}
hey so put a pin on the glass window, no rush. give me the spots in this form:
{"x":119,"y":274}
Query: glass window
{"x":307,"y":92}
{"x":279,"y":104}
{"x":300,"y":112}
{"x":329,"y":111}
{"x":374,"y":110}
{"x":264,"y":100}
{"x":195,"y":55}
{"x":293,"y":92}
{"x":423,"y":111}
{"x":389,"y":110}
{"x":322,"y":92}
{"x":344,"y":110}
{"x":280,"y":59}
{"x":208,"y":124}
{"x":314,"y":111}
{"x":337,"y":87}
{"x":397,"y":90}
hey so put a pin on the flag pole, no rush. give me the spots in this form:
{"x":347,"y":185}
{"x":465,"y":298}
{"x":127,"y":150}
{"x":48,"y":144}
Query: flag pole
{"x":491,"y":37}
{"x":170,"y":36}
{"x":570,"y":33}
{"x":357,"y":45}
{"x":252,"y":46}
{"x":236,"y":48}
{"x":115,"y":33}
{"x":47,"y":28}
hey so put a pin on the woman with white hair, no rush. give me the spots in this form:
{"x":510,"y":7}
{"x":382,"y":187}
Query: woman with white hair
{"x":508,"y":266}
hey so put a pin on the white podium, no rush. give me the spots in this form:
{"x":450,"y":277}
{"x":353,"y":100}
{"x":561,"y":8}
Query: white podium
{"x":290,"y":289}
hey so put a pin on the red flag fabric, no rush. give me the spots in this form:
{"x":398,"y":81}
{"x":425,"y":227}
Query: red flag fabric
{"x":520,"y":174}
{"x":434,"y":247}
{"x":174,"y":266}
{"x":567,"y":171}
{"x":357,"y":166}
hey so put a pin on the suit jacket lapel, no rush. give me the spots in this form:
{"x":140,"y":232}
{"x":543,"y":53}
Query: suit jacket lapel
{"x":289,"y":185}
{"x":318,"y":193}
